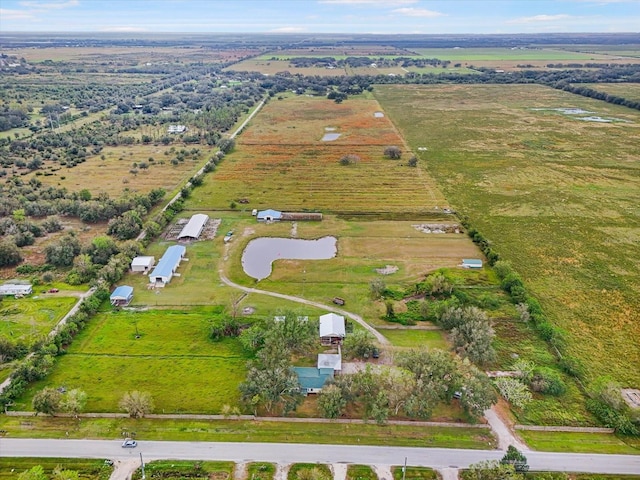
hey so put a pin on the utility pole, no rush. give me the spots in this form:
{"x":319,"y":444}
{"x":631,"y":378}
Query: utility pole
{"x":142,"y":465}
{"x":404,"y":469}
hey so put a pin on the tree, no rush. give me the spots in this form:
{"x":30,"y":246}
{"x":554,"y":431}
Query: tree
{"x":393,"y":152}
{"x":137,"y":404}
{"x":490,"y":470}
{"x":126,"y":226}
{"x":47,"y":401}
{"x":454,"y":316}
{"x":102,"y":248}
{"x":74,"y":401}
{"x":514,"y":391}
{"x":331,"y":401}
{"x":294,"y":332}
{"x":377,"y":286}
{"x":478,"y":393}
{"x":516,"y":458}
{"x":34,"y":473}
{"x":398,"y":384}
{"x":9,"y":253}
{"x":62,"y":252}
{"x":413,"y":161}
{"x":473,"y":340}
{"x":349,"y":159}
{"x":358,"y":344}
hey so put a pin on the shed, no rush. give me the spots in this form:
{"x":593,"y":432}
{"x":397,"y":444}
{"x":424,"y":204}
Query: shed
{"x":332,"y":329}
{"x":142,"y":264}
{"x":330,"y":360}
{"x":167,"y":265}
{"x":193,"y":228}
{"x":16,"y":289}
{"x":311,"y":379}
{"x":121,"y":296}
{"x":471,"y":263}
{"x":269,"y":215}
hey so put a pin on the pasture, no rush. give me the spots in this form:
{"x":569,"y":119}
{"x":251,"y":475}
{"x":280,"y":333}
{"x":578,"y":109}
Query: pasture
{"x":630,"y":91}
{"x":555,"y":195}
{"x":173,"y":350}
{"x":281,"y":162}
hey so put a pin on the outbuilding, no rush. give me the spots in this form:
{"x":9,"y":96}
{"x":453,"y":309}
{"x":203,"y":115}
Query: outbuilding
{"x":269,"y":215}
{"x":16,"y":289}
{"x":332,"y":329}
{"x":471,"y":263}
{"x":330,"y":360}
{"x":143,"y":264}
{"x":193,"y":229}
{"x":167,"y":265}
{"x":121,"y":296}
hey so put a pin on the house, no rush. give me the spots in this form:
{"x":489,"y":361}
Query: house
{"x":193,"y":229}
{"x":16,"y":289}
{"x":167,"y":265}
{"x":121,"y":296}
{"x":142,"y":264}
{"x":332,"y":329}
{"x":330,"y":360}
{"x":176,"y":129}
{"x":471,"y":263}
{"x":311,"y":379}
{"x":269,"y":215}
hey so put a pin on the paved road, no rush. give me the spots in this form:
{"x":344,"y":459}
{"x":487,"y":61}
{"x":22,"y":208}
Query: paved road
{"x":296,"y":453}
{"x":381,"y":338}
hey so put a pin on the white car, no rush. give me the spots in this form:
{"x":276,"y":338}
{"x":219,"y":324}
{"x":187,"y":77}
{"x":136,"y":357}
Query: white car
{"x":128,"y":443}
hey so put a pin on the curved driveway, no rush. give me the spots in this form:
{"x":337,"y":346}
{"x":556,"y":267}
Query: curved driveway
{"x":357,"y":318}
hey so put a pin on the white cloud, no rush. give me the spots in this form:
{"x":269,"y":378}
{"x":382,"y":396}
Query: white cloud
{"x":539,"y":18}
{"x":9,"y":14}
{"x":417,"y":12}
{"x":49,"y":5}
{"x":385,"y":3}
{"x":288,"y":30}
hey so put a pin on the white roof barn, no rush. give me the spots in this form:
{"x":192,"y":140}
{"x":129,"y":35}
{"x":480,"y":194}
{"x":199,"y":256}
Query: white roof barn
{"x":193,"y":228}
{"x":332,"y":328}
{"x":167,"y":265}
{"x":16,"y":289}
{"x":142,"y":264}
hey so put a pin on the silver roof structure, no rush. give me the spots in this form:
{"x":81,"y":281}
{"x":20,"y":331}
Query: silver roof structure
{"x":193,"y":229}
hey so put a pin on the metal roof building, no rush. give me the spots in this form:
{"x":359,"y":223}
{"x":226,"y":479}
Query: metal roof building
{"x":332,"y":328}
{"x":121,"y":295}
{"x":16,"y":289}
{"x":193,"y":229}
{"x":167,"y":265}
{"x":330,"y":360}
{"x":142,"y":264}
{"x":471,"y":263}
{"x":268,"y":215}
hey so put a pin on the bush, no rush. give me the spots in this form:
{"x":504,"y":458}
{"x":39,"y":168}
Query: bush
{"x":514,"y":391}
{"x":547,"y":380}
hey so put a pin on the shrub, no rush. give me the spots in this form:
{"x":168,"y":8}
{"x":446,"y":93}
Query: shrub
{"x":514,"y":391}
{"x":547,"y":380}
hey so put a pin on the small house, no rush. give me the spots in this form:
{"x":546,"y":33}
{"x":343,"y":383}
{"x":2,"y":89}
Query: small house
{"x":167,"y":266}
{"x":193,"y":229}
{"x":311,"y":379}
{"x":16,"y":289}
{"x":176,"y":129}
{"x":332,"y":329}
{"x":330,"y":360}
{"x":269,"y":215}
{"x":142,"y":264}
{"x":121,"y":296}
{"x":471,"y":263}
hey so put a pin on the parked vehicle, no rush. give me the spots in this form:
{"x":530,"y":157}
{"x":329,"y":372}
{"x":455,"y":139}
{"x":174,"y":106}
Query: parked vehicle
{"x":128,"y":443}
{"x":375,"y":353}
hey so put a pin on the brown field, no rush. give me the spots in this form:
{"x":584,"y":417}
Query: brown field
{"x":271,"y":67}
{"x":281,"y":162}
{"x":332,"y":51}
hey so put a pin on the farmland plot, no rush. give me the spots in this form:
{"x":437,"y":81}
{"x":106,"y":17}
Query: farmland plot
{"x":557,"y":196}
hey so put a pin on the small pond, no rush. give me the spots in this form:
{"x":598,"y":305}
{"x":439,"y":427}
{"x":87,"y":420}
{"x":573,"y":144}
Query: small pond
{"x":330,"y":137}
{"x":262,"y":252}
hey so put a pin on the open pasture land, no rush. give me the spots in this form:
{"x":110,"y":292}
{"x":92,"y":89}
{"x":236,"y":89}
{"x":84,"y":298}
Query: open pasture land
{"x":556,"y":195}
{"x":624,"y":50}
{"x":271,"y":67}
{"x":281,"y":162}
{"x":31,"y":318}
{"x":172,"y":355}
{"x":630,"y":91}
{"x":340,"y":51}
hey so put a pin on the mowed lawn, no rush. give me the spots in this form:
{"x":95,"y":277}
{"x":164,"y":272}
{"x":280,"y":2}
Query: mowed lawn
{"x":281,"y":162}
{"x":29,"y":319}
{"x":557,"y":196}
{"x":172,"y":359}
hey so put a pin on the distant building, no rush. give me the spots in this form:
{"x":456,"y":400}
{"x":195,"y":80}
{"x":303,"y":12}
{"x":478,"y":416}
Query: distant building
{"x":176,"y":129}
{"x":167,"y":266}
{"x":471,"y":263}
{"x":332,"y":329}
{"x":193,"y":229}
{"x":16,"y":289}
{"x":311,"y":379}
{"x":269,"y":216}
{"x":142,"y":264}
{"x":121,"y":296}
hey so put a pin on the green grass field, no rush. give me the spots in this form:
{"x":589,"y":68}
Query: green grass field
{"x":556,"y":196}
{"x":173,"y":355}
{"x":29,"y":319}
{"x":474,"y":54}
{"x":630,"y":91}
{"x":416,"y":338}
{"x":179,"y":469}
{"x":580,"y":442}
{"x":88,"y":469}
{"x":360,"y":472}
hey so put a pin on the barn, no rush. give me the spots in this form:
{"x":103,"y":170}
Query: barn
{"x":167,"y":265}
{"x":193,"y":229}
{"x":142,"y":264}
{"x":269,"y":215}
{"x":16,"y":289}
{"x":121,"y":296}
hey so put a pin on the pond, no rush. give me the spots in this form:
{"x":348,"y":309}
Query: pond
{"x":260,"y":253}
{"x":330,"y":137}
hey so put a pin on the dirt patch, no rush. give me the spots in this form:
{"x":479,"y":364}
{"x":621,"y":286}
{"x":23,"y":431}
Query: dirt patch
{"x":248,"y":231}
{"x":631,"y":396}
{"x":387,"y":270}
{"x":438,"y":228}
{"x":208,"y":232}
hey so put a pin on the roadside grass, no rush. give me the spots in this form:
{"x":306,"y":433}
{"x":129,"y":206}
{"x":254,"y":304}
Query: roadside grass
{"x":89,"y":469}
{"x":578,"y":442}
{"x":360,"y":472}
{"x":416,"y":338}
{"x":248,"y":431}
{"x":281,"y":162}
{"x":299,"y":471}
{"x":573,"y":244}
{"x":31,"y":318}
{"x":179,"y":469}
{"x":260,"y":471}
{"x":414,"y":473}
{"x":106,"y":360}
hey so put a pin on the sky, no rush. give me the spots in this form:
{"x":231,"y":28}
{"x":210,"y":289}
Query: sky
{"x":321,"y":16}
